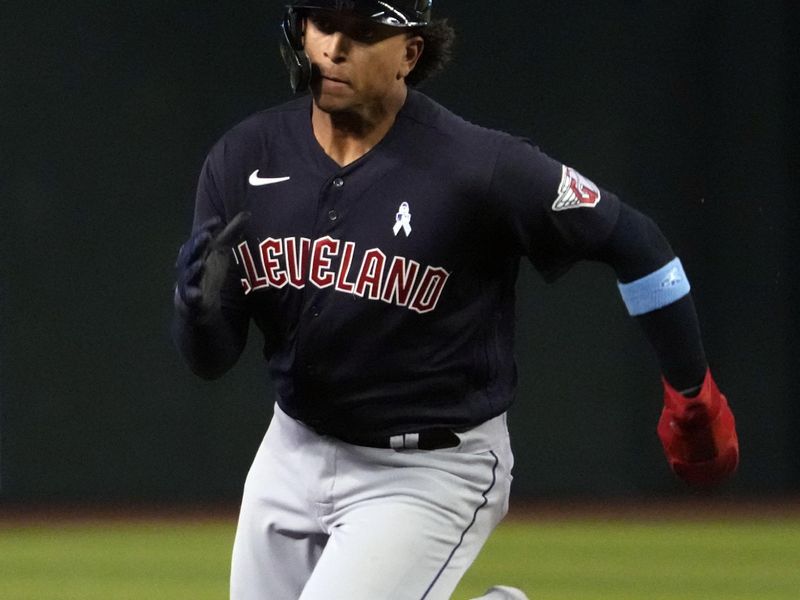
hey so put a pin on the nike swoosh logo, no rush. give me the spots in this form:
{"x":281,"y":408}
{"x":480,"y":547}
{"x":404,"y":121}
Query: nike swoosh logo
{"x":256,"y":180}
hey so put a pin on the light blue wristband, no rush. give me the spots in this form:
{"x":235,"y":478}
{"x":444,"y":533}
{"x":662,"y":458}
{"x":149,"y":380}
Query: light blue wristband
{"x":656,"y":290}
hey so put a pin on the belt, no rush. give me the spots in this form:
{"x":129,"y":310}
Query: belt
{"x":430,"y":439}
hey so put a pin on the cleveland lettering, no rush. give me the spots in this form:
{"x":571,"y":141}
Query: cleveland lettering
{"x":328,"y":262}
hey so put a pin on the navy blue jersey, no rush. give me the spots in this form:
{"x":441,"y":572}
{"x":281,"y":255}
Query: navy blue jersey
{"x":385,"y":289}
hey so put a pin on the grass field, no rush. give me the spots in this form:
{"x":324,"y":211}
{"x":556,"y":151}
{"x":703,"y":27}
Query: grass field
{"x":564,"y":559}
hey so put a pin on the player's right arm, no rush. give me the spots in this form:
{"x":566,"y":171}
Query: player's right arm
{"x":210,"y":321}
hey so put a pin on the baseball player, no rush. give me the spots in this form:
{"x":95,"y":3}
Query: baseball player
{"x":374,"y":239}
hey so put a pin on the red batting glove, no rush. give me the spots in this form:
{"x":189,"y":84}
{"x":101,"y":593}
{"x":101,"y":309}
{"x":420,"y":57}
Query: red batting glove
{"x":699,"y":434}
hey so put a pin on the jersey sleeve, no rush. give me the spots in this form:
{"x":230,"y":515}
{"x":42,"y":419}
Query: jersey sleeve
{"x":208,"y":198}
{"x":547,"y":210}
{"x":210,"y":202}
{"x":212,"y":345}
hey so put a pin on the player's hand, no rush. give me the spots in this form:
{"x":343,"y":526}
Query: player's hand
{"x":699,"y":434}
{"x":202,"y":264}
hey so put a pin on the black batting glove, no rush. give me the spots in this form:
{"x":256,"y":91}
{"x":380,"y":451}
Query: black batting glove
{"x":202,"y":264}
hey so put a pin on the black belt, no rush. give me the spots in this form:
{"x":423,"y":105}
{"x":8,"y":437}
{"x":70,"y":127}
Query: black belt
{"x":430,"y":439}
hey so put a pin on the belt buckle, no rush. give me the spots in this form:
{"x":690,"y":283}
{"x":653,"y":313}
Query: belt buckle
{"x":434,"y":439}
{"x":404,"y":441}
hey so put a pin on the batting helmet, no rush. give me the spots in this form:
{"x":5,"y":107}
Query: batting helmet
{"x":394,"y":13}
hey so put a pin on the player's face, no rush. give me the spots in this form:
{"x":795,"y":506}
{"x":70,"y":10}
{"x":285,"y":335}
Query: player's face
{"x":357,"y":62}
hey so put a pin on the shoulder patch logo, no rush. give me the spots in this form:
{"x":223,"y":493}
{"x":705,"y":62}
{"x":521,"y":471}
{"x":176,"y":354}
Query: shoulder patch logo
{"x":575,"y":191}
{"x":403,"y":220}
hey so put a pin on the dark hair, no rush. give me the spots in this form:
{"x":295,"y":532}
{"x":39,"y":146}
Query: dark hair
{"x":439,"y":37}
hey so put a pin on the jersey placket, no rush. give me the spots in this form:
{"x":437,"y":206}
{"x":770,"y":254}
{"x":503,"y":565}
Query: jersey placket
{"x":328,"y":222}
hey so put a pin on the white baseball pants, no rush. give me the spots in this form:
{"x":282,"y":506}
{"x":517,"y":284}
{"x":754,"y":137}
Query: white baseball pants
{"x":325,"y":520}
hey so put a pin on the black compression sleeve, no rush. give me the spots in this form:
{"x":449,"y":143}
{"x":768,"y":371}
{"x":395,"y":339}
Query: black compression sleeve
{"x":635,"y":248}
{"x":675,"y":334}
{"x":210,"y":346}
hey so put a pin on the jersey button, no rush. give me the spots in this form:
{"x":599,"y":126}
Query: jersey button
{"x":333,"y":215}
{"x":338,"y":182}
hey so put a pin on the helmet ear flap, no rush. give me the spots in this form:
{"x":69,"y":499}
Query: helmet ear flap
{"x":294,"y":56}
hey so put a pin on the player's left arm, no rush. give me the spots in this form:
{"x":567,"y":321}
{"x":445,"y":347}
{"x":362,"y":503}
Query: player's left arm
{"x":696,"y":428}
{"x":557,"y":217}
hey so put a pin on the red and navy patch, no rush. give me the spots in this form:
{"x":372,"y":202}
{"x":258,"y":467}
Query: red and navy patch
{"x":575,"y":191}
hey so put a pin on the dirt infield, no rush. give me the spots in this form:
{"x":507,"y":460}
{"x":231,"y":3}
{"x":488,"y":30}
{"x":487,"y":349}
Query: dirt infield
{"x":689,"y":508}
{"x":72,"y":512}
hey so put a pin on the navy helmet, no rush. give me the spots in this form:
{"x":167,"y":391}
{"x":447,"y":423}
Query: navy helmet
{"x":394,"y":13}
